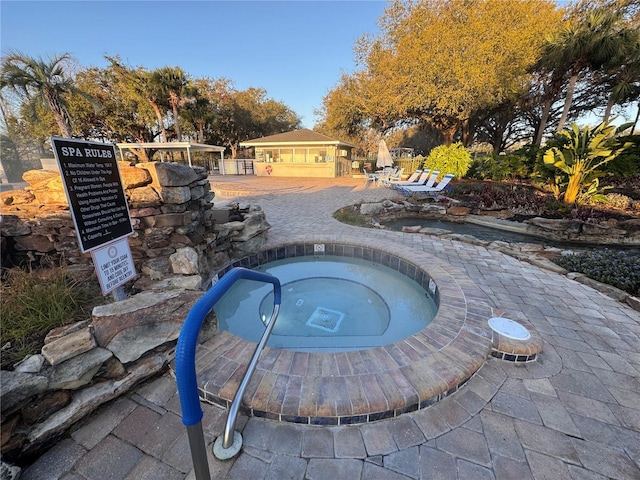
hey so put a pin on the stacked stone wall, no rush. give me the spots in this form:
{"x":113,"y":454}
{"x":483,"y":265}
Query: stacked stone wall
{"x":179,"y":241}
{"x":172,"y":213}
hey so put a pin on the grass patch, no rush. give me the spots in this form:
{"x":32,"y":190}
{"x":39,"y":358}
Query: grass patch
{"x":617,"y":268}
{"x":351,"y":215}
{"x":37,"y":301}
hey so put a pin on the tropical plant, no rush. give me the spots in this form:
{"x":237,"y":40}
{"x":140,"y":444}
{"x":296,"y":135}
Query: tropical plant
{"x":579,"y":159}
{"x":449,"y":159}
{"x":41,"y":82}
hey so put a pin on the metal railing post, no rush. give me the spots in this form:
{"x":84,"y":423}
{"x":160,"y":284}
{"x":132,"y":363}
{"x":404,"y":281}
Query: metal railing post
{"x":185,"y":360}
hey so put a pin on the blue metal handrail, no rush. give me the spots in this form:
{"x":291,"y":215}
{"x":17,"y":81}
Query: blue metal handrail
{"x":186,"y":353}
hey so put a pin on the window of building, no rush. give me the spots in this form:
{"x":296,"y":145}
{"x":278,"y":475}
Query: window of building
{"x":271,"y":155}
{"x":300,"y":155}
{"x":317,"y":155}
{"x":286,"y":155}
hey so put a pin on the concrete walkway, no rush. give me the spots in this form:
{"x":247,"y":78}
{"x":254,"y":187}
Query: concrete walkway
{"x":573,"y":414}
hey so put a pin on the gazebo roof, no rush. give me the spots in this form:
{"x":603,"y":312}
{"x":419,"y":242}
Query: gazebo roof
{"x":296,"y":137}
{"x":188,"y":146}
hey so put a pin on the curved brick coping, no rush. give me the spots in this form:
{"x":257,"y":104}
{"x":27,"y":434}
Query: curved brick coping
{"x":364,"y":385}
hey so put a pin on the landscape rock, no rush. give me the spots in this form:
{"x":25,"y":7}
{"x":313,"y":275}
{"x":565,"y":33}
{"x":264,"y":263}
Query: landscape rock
{"x":64,"y":330}
{"x":186,"y":282}
{"x":29,"y":364}
{"x":433,"y":231}
{"x":371,"y":208}
{"x":156,"y":268}
{"x":133,"y":344}
{"x":458,"y":211}
{"x":12,"y":226}
{"x":39,"y":243}
{"x":15,"y":387}
{"x":169,"y":174}
{"x":134,"y":326}
{"x":144,"y":212}
{"x":633,"y":302}
{"x":36,"y":177}
{"x":228,"y":229}
{"x":558,"y":225}
{"x":133,"y":177}
{"x":16,"y":197}
{"x":470,"y":239}
{"x":254,"y":223}
{"x":174,"y":194}
{"x":184,"y":261}
{"x":43,"y":406}
{"x":143,"y":197}
{"x":77,"y":371}
{"x":88,"y":399}
{"x":433,"y":209}
{"x":68,"y":346}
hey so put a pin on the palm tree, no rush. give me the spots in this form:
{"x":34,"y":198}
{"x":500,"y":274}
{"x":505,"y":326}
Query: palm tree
{"x":176,"y":88}
{"x":143,"y":85}
{"x":586,"y":45}
{"x":622,"y":76}
{"x":40,"y":81}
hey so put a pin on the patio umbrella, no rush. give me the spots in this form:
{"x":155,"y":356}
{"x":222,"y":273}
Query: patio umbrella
{"x":384,"y":157}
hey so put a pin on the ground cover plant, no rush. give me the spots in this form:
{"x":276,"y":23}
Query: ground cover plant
{"x":36,"y":301}
{"x":617,"y":268}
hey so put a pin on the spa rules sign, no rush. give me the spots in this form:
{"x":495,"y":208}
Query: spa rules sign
{"x":94,"y":190}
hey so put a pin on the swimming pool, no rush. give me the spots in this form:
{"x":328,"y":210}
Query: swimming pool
{"x":330,"y":303}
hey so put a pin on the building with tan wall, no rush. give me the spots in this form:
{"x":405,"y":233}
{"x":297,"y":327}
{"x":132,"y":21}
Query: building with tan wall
{"x":301,"y":153}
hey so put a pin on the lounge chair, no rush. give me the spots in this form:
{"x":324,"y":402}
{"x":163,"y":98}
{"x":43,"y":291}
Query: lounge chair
{"x":432,"y":179}
{"x":420,"y":180}
{"x":394,"y":176}
{"x":425,"y":191}
{"x":414,"y":176}
{"x":384,"y":174}
{"x":369,"y":176}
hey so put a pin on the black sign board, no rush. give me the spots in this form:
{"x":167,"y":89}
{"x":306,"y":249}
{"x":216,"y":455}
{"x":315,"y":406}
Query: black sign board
{"x":94,"y":190}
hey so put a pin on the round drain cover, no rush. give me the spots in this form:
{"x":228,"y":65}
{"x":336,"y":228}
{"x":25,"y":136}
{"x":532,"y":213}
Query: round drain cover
{"x":509,"y":328}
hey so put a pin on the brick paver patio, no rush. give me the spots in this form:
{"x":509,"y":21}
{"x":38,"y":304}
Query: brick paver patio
{"x":573,"y":414}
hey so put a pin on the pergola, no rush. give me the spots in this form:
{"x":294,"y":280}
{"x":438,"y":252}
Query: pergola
{"x":173,"y":146}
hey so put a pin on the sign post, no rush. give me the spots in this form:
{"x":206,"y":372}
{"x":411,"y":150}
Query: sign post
{"x":99,"y":208}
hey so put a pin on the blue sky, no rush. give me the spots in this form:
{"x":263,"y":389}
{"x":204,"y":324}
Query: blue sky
{"x":295,"y":50}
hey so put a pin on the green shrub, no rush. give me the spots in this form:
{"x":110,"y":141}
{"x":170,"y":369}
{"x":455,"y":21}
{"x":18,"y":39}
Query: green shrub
{"x":499,"y":167}
{"x":35,"y":302}
{"x":627,"y":163}
{"x":453,"y":159}
{"x":617,"y":268}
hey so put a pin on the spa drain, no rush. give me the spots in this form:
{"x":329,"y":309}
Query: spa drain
{"x":325,"y":319}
